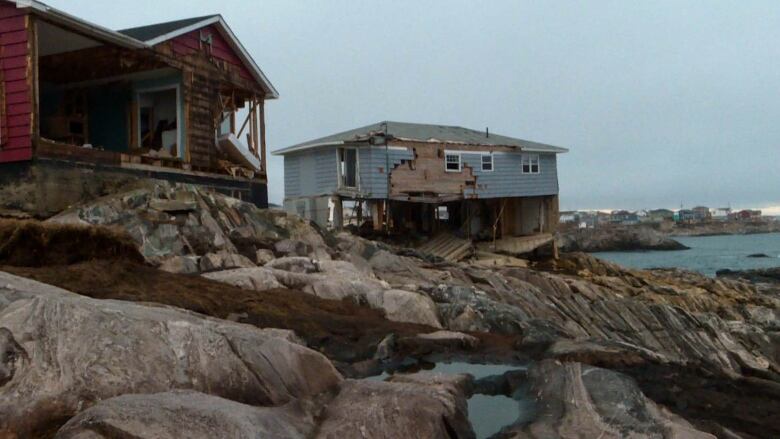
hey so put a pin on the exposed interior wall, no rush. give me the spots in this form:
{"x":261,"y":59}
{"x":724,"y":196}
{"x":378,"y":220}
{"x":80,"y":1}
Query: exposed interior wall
{"x":16,"y":93}
{"x":425,"y":173}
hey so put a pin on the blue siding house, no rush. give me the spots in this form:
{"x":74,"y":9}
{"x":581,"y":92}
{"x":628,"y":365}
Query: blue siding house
{"x":425,"y":178}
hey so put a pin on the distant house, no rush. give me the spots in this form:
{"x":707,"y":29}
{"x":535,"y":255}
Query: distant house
{"x":426,"y":178}
{"x":747,"y":215}
{"x":156,"y":101}
{"x":660,"y":215}
{"x":623,"y":217}
{"x":685,"y":216}
{"x":721,"y":213}
{"x":569,"y":217}
{"x":701,"y":214}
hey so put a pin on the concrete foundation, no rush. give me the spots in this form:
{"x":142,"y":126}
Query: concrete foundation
{"x":45,"y":187}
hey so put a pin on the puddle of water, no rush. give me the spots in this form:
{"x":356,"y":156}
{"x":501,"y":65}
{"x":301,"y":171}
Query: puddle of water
{"x":488,"y":414}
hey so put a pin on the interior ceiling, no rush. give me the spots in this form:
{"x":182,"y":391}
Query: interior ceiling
{"x":53,"y":40}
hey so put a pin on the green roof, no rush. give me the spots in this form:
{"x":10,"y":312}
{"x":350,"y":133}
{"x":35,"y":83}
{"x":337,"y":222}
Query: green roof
{"x":422,"y":133}
{"x":152,"y":31}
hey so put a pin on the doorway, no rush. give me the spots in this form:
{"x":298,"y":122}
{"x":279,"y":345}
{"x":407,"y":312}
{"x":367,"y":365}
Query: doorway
{"x":159,"y":129}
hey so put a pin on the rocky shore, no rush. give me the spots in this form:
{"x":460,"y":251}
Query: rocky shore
{"x":726,"y":228}
{"x":616,"y":238}
{"x":223,"y":320}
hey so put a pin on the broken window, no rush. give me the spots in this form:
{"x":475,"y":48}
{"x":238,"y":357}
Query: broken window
{"x":487,"y":162}
{"x":452,"y":162}
{"x":531,"y":164}
{"x":348,"y":167}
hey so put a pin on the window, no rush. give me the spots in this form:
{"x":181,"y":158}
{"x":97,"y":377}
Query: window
{"x":452,"y":162}
{"x":531,"y":164}
{"x":487,"y":162}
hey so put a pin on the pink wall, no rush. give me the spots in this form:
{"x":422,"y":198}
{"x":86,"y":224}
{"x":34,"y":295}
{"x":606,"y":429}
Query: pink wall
{"x":16,"y":143}
{"x":190,"y":43}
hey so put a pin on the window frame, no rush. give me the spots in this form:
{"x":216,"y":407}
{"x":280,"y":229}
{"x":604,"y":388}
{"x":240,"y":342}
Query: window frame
{"x":483,"y":163}
{"x":341,"y":158}
{"x":447,"y":155}
{"x":529,"y":161}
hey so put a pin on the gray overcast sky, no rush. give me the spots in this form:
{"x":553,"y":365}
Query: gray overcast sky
{"x":660,"y":102}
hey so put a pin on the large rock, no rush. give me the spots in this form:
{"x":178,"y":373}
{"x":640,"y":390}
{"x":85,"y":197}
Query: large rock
{"x":70,"y":351}
{"x":188,"y":414}
{"x":404,"y":306}
{"x":421,"y":406}
{"x":175,"y":219}
{"x":294,"y":264}
{"x":580,"y":402}
{"x":224,"y":261}
{"x":181,"y":265}
{"x":255,"y":279}
{"x":617,"y":238}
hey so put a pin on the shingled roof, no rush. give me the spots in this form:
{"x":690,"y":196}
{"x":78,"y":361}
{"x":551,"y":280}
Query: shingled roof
{"x":422,"y":133}
{"x":152,"y":31}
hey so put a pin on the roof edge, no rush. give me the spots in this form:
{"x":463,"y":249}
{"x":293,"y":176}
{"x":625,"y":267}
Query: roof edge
{"x":232,"y":40}
{"x":92,"y":29}
{"x":296,"y":148}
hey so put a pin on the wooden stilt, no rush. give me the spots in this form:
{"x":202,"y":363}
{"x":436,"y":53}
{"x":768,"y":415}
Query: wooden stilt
{"x":338,"y":213}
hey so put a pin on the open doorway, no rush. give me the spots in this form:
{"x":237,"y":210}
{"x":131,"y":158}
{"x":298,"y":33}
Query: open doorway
{"x":348,"y":168}
{"x":158,"y":121}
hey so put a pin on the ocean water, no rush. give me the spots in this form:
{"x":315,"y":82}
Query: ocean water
{"x":707,"y":255}
{"x":488,"y":414}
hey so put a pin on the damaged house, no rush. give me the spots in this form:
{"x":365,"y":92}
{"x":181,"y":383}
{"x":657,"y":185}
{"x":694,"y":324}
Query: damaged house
{"x":429,"y":179}
{"x":82,"y":106}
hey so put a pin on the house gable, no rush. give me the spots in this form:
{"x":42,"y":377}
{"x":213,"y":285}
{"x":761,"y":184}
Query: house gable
{"x":211,"y":33}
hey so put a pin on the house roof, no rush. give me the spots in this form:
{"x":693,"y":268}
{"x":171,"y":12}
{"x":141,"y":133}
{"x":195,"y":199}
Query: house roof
{"x":158,"y":33}
{"x":422,"y":133}
{"x":152,"y":31}
{"x":149,"y":36}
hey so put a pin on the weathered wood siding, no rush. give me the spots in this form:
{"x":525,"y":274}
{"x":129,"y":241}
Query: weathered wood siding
{"x":16,"y":74}
{"x":206,"y":72}
{"x":311,"y":173}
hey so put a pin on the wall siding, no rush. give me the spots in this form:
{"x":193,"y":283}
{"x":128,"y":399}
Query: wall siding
{"x":373,"y":175}
{"x":311,"y":173}
{"x":16,"y":74}
{"x":189,"y":43}
{"x":507,"y":178}
{"x":314,"y":172}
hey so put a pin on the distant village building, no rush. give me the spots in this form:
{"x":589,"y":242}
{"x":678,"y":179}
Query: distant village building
{"x":623,"y":217}
{"x":685,"y":216}
{"x":720,"y":213}
{"x":568,"y":217}
{"x":660,"y":215}
{"x":746,"y":215}
{"x":701,"y":214}
{"x":426,"y":178}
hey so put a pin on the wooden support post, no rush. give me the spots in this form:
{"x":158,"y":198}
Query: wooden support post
{"x":338,"y":213}
{"x":359,"y":212}
{"x":262,"y":135}
{"x":378,"y":214}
